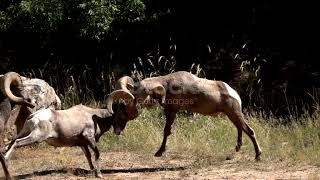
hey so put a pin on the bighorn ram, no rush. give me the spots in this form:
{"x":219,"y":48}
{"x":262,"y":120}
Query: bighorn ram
{"x":30,"y":94}
{"x":77,"y":126}
{"x":185,"y":91}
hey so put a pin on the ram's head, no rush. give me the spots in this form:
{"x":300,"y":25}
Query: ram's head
{"x":124,"y":110}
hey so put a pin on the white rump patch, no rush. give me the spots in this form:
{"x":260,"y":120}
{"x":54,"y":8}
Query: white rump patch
{"x":233,"y":93}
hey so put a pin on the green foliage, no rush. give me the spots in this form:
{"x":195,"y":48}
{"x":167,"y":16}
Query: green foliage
{"x":33,"y":16}
{"x":89,"y":19}
{"x":44,"y":15}
{"x":130,"y":11}
{"x":95,"y":18}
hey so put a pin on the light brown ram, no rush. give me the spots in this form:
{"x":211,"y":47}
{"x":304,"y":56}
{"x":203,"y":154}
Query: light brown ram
{"x":77,"y":126}
{"x":184,"y":91}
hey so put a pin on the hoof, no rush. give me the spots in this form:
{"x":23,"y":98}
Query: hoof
{"x":8,"y":177}
{"x":99,"y":175}
{"x":238,"y":147}
{"x":158,"y":154}
{"x":229,"y":158}
{"x":258,"y":158}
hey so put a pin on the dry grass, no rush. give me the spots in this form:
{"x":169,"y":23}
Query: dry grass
{"x":215,"y":137}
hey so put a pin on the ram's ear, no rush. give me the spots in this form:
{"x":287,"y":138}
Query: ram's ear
{"x":159,"y":92}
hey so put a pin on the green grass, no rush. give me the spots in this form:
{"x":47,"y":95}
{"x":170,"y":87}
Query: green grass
{"x":214,"y":138}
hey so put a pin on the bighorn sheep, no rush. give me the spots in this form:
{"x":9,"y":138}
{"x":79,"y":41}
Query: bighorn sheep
{"x":77,"y":126}
{"x":33,"y":95}
{"x":185,"y":91}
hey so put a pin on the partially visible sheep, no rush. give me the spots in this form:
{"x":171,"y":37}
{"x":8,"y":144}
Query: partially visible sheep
{"x":185,"y":91}
{"x":27,"y":95}
{"x":5,"y":104}
{"x":77,"y":126}
{"x":31,"y":94}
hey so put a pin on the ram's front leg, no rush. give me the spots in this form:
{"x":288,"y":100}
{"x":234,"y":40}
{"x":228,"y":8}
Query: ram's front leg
{"x":87,"y":153}
{"x":170,"y":116}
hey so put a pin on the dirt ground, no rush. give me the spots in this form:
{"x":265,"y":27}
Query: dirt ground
{"x":70,"y":163}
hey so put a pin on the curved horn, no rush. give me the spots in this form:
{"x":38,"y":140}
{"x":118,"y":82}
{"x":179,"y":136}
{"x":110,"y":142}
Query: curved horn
{"x":15,"y":79}
{"x":8,"y":79}
{"x":125,"y":82}
{"x":118,"y":94}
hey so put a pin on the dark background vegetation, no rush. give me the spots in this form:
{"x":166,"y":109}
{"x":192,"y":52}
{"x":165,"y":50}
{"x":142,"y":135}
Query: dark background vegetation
{"x":265,"y":50}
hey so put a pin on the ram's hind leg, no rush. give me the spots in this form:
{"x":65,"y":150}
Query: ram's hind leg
{"x":236,"y":116}
{"x":95,"y":149}
{"x":93,"y":145}
{"x":250,"y":132}
{"x":35,"y":136}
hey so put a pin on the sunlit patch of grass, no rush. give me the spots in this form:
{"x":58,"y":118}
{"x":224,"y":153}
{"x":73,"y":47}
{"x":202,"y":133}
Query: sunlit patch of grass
{"x":297,"y":142}
{"x":214,"y":138}
{"x":141,"y":134}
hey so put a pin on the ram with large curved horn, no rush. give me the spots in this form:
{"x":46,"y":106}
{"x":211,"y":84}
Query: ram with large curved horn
{"x":76,"y":126}
{"x":21,"y":96}
{"x":121,"y":103}
{"x":127,"y":106}
{"x":30,"y":93}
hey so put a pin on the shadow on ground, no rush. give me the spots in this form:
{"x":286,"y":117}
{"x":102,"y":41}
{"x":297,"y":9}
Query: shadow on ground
{"x":84,"y":172}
